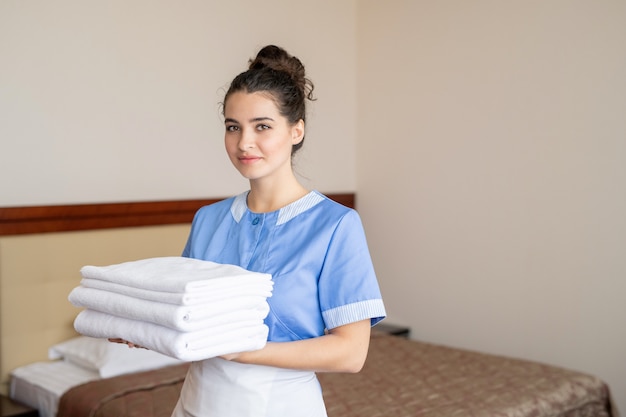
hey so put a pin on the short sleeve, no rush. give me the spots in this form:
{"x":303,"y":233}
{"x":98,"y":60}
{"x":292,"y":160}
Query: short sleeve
{"x":348,"y":287}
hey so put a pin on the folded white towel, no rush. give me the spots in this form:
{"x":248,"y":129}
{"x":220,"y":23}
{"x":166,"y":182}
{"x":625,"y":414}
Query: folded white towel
{"x":186,"y":346}
{"x":174,"y":274}
{"x":261,"y":288}
{"x":182,"y":318}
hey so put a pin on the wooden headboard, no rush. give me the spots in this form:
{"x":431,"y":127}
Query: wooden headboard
{"x":43,"y":248}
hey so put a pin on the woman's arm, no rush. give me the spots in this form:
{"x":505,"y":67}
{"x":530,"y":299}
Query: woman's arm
{"x":343,"y":349}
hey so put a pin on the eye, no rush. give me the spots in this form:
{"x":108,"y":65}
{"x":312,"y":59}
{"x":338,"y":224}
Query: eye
{"x":232,"y":128}
{"x":262,"y":127}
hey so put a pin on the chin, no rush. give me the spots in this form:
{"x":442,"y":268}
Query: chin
{"x":249,"y":176}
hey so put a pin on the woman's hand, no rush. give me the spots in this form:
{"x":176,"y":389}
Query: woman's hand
{"x":126,"y":342}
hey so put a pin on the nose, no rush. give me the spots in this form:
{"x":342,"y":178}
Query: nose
{"x":246,"y":140}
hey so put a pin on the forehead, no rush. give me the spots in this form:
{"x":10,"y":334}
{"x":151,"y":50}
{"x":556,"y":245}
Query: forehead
{"x":246,"y":105}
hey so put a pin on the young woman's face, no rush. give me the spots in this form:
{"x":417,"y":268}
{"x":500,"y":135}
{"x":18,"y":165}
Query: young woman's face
{"x":258,"y":138}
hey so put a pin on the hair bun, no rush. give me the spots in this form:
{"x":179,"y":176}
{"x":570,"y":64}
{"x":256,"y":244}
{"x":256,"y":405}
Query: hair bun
{"x":277,"y":59}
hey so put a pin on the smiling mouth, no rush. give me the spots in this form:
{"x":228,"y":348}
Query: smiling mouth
{"x":248,"y":159}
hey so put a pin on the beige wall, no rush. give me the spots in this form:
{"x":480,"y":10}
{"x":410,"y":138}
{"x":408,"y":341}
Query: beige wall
{"x":492,"y":174}
{"x":118,"y":100}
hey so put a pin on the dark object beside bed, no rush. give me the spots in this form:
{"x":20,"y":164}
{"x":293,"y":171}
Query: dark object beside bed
{"x":401,"y":378}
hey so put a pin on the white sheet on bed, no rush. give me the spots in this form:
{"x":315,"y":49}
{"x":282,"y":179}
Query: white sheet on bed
{"x":40,"y":385}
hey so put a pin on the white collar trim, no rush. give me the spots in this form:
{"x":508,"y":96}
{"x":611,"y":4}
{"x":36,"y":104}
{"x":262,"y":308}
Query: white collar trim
{"x":240,"y":206}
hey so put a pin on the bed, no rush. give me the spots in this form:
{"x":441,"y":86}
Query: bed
{"x":401,"y":377}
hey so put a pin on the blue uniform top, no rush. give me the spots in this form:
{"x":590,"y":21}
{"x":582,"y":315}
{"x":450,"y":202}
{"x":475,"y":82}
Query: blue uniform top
{"x":314,"y":248}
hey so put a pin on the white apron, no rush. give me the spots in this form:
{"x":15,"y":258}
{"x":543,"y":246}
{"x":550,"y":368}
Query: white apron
{"x":219,"y":388}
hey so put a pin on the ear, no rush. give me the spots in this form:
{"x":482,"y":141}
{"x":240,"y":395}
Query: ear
{"x":297,"y":132}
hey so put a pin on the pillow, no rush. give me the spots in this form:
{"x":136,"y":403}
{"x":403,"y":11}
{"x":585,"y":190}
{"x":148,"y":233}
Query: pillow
{"x":107,"y":358}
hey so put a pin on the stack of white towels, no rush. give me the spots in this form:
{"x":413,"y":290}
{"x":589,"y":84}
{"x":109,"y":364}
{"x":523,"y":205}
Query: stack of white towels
{"x":185,"y":308}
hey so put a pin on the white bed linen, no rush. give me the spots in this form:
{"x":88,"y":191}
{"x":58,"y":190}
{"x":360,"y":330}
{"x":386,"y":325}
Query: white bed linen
{"x":40,"y":385}
{"x":181,"y":318}
{"x":186,"y":346}
{"x":175,"y":274}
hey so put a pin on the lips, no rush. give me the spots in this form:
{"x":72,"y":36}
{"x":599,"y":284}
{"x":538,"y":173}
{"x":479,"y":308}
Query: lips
{"x":248,"y":159}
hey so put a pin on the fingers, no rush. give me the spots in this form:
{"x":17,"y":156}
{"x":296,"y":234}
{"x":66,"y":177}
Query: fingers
{"x":126,"y":342}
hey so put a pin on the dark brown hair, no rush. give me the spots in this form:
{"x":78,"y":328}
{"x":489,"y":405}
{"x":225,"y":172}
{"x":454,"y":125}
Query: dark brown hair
{"x":281,"y":75}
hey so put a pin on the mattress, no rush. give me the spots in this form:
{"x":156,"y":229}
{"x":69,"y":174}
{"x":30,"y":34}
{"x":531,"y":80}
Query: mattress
{"x":40,"y":385}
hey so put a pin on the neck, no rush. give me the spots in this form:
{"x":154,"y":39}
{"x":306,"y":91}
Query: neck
{"x":264,"y":197}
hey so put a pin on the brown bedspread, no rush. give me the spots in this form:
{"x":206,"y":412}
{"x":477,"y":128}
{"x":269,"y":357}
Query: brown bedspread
{"x":401,"y":378}
{"x":404,"y":378}
{"x":144,"y":394}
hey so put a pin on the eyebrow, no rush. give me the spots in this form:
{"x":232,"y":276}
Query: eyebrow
{"x":256,"y":119}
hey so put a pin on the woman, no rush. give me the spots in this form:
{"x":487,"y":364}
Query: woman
{"x":325,"y":295}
